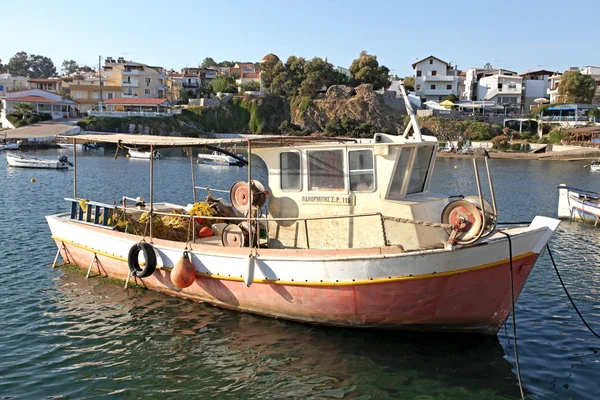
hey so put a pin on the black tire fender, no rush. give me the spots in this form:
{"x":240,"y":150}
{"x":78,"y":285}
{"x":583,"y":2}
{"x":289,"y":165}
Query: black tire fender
{"x":149,"y":255}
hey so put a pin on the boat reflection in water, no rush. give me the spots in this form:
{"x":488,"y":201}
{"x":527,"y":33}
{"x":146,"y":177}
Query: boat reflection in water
{"x":198,"y":350}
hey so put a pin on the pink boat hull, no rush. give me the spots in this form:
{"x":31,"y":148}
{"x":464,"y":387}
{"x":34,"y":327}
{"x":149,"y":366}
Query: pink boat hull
{"x":478,"y":300}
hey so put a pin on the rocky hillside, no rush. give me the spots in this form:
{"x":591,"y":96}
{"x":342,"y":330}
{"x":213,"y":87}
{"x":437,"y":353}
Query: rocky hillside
{"x":360,"y":104}
{"x":350,"y":110}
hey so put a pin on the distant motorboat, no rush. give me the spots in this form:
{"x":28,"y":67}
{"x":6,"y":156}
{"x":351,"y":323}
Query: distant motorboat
{"x":136,"y":153}
{"x":595,"y":166}
{"x":219,"y":158}
{"x":17,"y":160}
{"x":81,"y":146}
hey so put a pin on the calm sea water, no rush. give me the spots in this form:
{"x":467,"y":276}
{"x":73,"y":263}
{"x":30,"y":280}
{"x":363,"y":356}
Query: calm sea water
{"x":67,"y":337}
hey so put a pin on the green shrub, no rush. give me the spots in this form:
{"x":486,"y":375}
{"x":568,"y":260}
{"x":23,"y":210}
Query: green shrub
{"x":555,"y":136}
{"x":45,"y":117}
{"x":501,"y":143}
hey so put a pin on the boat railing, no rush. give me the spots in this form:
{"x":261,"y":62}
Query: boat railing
{"x":97,"y":213}
{"x":578,"y":190}
{"x":91,"y":212}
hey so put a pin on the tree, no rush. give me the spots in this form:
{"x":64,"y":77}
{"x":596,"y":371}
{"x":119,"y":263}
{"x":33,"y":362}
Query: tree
{"x":271,"y":67}
{"x":223,"y":84}
{"x":409,"y":83}
{"x":25,"y":109}
{"x":2,"y":68}
{"x":451,"y":97}
{"x":318,"y":75}
{"x":208,"y":62}
{"x":69,"y":67}
{"x":250,"y":86}
{"x":576,"y":87}
{"x":366,"y":69}
{"x":294,"y":75}
{"x":41,"y":67}
{"x":19,"y":64}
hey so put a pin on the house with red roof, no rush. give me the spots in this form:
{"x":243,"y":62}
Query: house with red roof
{"x":43,"y":102}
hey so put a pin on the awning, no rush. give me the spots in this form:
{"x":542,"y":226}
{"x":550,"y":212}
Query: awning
{"x":174,"y":141}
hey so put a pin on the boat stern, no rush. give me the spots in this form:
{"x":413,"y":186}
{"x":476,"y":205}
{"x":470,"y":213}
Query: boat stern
{"x":564,"y":208}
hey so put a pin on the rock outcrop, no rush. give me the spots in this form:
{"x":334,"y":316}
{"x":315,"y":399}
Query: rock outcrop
{"x":361,"y":104}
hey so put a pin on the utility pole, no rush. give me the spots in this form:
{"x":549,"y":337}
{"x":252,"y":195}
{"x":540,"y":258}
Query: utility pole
{"x":100,"y":82}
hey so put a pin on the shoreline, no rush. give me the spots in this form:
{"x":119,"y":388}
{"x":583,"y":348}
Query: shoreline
{"x":494,"y":154}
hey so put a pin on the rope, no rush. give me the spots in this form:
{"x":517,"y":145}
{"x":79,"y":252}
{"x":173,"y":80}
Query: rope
{"x":514,"y":318}
{"x":568,"y":295}
{"x":417,"y":222}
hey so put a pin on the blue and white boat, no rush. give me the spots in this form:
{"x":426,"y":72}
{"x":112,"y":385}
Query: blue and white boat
{"x":578,"y":204}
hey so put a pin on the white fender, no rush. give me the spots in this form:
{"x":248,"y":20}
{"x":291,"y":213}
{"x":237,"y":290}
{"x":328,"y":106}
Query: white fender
{"x":249,"y":278}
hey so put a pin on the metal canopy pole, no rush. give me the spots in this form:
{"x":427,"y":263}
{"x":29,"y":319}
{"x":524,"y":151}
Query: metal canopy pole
{"x":151,"y":186}
{"x":191,"y":153}
{"x":74,"y":168}
{"x":250,"y":194}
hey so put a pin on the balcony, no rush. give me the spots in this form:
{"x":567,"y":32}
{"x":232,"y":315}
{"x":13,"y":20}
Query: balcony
{"x":130,"y":83}
{"x":439,"y":78}
{"x":190,"y":84}
{"x":437,"y":92}
{"x":128,"y":96}
{"x":131,"y":72}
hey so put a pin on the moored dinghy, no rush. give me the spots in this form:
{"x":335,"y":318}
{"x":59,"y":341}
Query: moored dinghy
{"x":578,"y":204}
{"x":345,"y":233}
{"x":17,"y":160}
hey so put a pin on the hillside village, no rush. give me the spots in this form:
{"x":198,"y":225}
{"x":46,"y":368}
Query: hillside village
{"x":123,"y":88}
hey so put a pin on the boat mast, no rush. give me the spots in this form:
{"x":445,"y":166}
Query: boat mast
{"x":74,"y":168}
{"x":413,"y":118}
{"x":151,"y":186}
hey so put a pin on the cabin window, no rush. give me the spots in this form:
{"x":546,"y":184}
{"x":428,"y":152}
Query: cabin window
{"x":420,"y":169}
{"x":326,"y":170}
{"x":400,"y":172}
{"x":362,"y":174}
{"x":289,"y":171}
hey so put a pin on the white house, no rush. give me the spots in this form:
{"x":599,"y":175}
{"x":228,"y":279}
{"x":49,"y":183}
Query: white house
{"x":10,"y":83}
{"x":435,"y":79}
{"x":42,"y":102}
{"x":535,"y":86}
{"x":501,"y":86}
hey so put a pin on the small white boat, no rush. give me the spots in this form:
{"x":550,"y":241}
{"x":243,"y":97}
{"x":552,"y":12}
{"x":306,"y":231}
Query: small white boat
{"x":133,"y":153}
{"x":594,"y":166}
{"x":578,"y":204}
{"x":17,"y":160}
{"x":11,"y":146}
{"x":221,"y":159}
{"x":70,"y":145}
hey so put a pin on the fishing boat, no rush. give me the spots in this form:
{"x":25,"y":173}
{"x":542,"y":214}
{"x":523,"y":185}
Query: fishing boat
{"x":137,"y":153}
{"x":578,"y":204}
{"x":17,"y":160}
{"x":344,"y":233}
{"x":220,"y":158}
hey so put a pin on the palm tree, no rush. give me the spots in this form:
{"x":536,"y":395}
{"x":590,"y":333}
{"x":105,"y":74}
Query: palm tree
{"x":25,"y":109}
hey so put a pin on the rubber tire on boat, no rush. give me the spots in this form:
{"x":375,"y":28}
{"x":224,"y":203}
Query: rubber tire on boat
{"x":134,"y":264}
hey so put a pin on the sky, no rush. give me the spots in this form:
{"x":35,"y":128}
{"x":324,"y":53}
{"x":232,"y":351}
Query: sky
{"x":515,"y":35}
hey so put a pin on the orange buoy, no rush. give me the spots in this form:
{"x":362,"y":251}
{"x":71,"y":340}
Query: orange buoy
{"x":205,"y":232}
{"x":183,"y":274}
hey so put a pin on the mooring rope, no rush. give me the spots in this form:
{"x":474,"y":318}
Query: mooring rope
{"x":514,"y":319}
{"x":567,"y":293}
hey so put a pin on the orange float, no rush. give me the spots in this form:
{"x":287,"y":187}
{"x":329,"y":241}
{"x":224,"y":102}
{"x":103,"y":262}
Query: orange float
{"x":183,"y":274}
{"x":205,"y":232}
